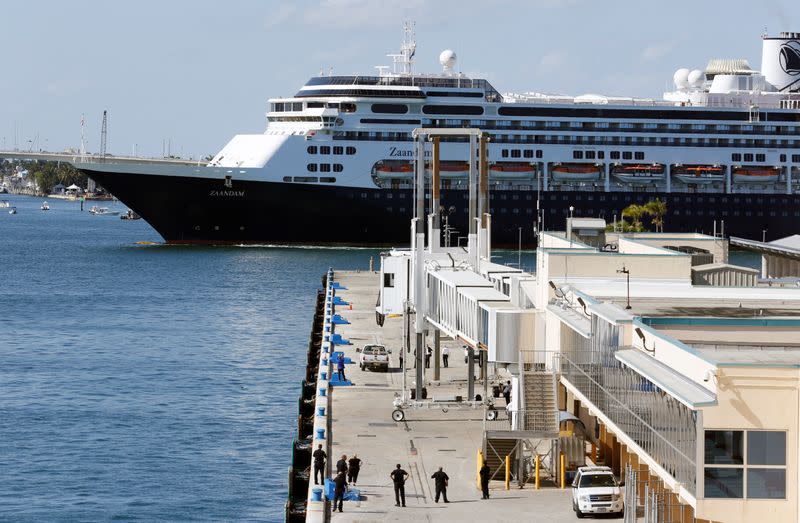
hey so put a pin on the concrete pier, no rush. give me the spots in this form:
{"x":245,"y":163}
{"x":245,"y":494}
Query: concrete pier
{"x":360,"y":423}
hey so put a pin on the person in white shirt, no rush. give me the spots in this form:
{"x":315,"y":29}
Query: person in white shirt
{"x":445,"y":355}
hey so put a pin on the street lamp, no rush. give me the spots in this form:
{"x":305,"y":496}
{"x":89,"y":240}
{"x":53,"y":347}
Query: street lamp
{"x":627,"y":274}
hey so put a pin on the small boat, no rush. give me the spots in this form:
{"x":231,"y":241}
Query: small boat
{"x":12,"y":210}
{"x":699,"y":174}
{"x":130,"y":215}
{"x":511,"y":171}
{"x":388,"y":171}
{"x":450,"y":170}
{"x":754,"y":174}
{"x":637,"y":173}
{"x":45,"y":206}
{"x":102,"y":211}
{"x":576,"y":172}
{"x":5,"y":204}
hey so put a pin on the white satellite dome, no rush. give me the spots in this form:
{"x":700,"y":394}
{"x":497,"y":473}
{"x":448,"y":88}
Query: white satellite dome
{"x":696,"y":78}
{"x":447,"y":58}
{"x":681,"y":78}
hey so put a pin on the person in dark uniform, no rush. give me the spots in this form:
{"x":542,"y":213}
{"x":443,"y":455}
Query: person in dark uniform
{"x":353,"y":468}
{"x":338,"y":494}
{"x":441,"y":478}
{"x":507,"y":392}
{"x":399,"y":476}
{"x":340,"y":367}
{"x":341,"y":465}
{"x":319,"y":465}
{"x":485,"y":473}
{"x":428,"y":352}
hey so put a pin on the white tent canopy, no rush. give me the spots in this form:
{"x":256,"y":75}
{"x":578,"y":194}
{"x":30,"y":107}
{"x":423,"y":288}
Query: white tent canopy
{"x":73,"y":187}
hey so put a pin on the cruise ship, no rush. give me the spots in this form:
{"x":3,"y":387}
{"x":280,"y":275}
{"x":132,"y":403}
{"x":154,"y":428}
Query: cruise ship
{"x":335,"y":163}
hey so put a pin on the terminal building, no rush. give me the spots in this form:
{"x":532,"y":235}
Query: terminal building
{"x":683,"y":370}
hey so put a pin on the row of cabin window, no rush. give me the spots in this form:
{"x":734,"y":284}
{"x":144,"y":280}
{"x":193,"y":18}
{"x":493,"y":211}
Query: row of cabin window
{"x":795,"y":158}
{"x":309,"y":179}
{"x":325,"y":167}
{"x":519,"y":153}
{"x":748,"y":157}
{"x":326,"y":149}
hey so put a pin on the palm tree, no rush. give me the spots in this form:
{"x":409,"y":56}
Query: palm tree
{"x":635,"y":213}
{"x":657,"y":209}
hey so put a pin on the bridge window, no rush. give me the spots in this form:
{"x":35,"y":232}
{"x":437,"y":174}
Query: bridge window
{"x":452,"y":109}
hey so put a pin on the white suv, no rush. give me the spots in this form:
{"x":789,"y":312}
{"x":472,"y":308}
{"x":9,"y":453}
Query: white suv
{"x":595,"y":490}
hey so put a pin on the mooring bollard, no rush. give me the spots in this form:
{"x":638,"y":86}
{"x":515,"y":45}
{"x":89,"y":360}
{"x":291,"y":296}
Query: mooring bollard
{"x":322,"y":391}
{"x":316,"y":494}
{"x":320,"y":411}
{"x":320,"y":433}
{"x":323,"y":376}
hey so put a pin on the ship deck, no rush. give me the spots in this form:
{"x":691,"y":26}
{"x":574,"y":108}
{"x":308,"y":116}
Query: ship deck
{"x":361,"y":423}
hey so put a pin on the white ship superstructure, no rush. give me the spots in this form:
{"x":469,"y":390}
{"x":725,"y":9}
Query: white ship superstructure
{"x":723,"y":145}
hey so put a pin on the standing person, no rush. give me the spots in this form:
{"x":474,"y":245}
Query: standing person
{"x":507,"y":392}
{"x":428,"y":352}
{"x":338,"y":494}
{"x":466,"y":354}
{"x":399,"y":476}
{"x":341,"y":465}
{"x":340,"y":366}
{"x":401,"y":359}
{"x":441,"y":478}
{"x":445,"y":355}
{"x":353,"y":468}
{"x":485,"y":473}
{"x":319,"y":465}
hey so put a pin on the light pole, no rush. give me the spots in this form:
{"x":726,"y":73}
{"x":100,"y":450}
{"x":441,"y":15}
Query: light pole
{"x":763,"y":235}
{"x":627,"y":274}
{"x":569,"y":228}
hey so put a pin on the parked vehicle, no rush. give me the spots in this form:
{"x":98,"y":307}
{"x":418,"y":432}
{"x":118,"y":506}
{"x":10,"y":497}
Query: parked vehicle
{"x":595,"y":490}
{"x":374,"y":357}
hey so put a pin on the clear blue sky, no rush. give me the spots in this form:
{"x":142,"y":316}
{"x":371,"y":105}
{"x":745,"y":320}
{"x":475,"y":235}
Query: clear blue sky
{"x":200,"y":71}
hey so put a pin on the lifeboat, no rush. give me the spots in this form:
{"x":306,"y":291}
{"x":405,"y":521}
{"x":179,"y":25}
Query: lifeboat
{"x":394,"y":170}
{"x":511,"y":171}
{"x":449,"y":170}
{"x":756,"y":174}
{"x":699,"y":174}
{"x":637,"y":173}
{"x":576,"y":172}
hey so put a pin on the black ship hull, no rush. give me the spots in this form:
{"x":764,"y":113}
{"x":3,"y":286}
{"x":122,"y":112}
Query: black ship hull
{"x":205,"y":211}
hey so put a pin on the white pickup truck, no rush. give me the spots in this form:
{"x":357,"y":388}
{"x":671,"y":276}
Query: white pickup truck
{"x":374,"y":357}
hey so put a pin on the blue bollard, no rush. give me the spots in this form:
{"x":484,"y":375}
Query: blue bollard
{"x":327,"y":328}
{"x":320,"y":433}
{"x":320,"y":411}
{"x":325,"y":361}
{"x":316,"y":494}
{"x":326,"y":338}
{"x":322,"y":391}
{"x":323,"y":376}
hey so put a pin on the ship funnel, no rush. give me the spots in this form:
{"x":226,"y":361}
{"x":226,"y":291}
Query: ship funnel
{"x":780,"y":61}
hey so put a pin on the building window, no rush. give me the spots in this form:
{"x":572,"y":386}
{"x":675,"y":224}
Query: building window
{"x":590,"y":155}
{"x":516,"y":153}
{"x":760,"y":158}
{"x":337,"y":167}
{"x":783,"y":157}
{"x":312,"y":149}
{"x":601,"y":155}
{"x":614,"y":155}
{"x":305,"y":179}
{"x":577,"y":155}
{"x":639,"y":155}
{"x":388,"y":279}
{"x":528,"y":153}
{"x":312,"y":167}
{"x":504,"y":153}
{"x":325,"y":167}
{"x":287,"y":178}
{"x":350,"y":150}
{"x":338,"y":149}
{"x":539,"y":153}
{"x":325,"y":149}
{"x":758,"y":473}
{"x":736,"y":157}
{"x":627,"y":155}
{"x":327,"y":179}
{"x":748,"y":157}
{"x":796,"y":158}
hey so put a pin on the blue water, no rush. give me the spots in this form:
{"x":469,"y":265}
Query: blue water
{"x":144,"y":383}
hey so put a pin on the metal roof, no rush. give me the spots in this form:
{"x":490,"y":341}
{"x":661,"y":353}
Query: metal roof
{"x":483,"y":294}
{"x":461,"y":278}
{"x":784,"y":247}
{"x":684,"y":390}
{"x":577,"y":321}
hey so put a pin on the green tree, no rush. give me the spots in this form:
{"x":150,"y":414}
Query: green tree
{"x":657,"y":209}
{"x":634,"y":212}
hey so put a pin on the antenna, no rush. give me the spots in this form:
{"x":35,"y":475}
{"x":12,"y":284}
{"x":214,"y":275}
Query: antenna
{"x":405,"y":58}
{"x":104,"y":135}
